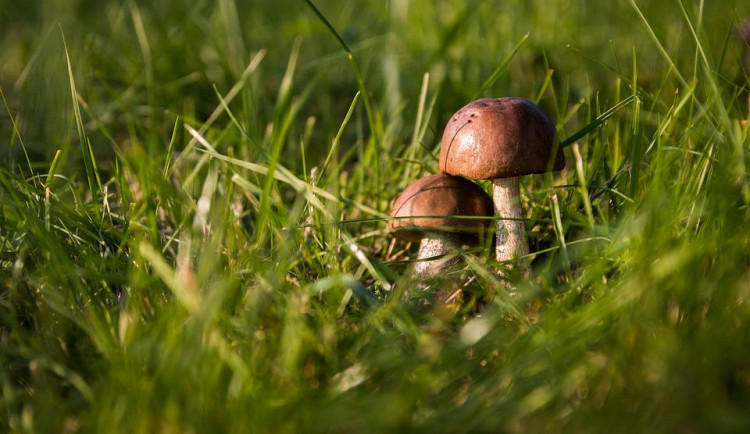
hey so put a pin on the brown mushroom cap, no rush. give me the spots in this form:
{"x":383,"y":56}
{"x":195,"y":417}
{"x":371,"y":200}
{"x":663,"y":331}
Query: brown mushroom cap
{"x":500,"y":138}
{"x":430,"y":201}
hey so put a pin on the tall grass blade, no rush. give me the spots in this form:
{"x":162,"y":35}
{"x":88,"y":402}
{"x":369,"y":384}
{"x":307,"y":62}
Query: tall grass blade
{"x":337,"y":139}
{"x":596,"y":123}
{"x":87,"y":152}
{"x":236,"y":88}
{"x":499,"y":69}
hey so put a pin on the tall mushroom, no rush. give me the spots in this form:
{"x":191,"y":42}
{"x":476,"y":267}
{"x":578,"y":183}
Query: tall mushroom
{"x":426,"y":211}
{"x":501,"y":139}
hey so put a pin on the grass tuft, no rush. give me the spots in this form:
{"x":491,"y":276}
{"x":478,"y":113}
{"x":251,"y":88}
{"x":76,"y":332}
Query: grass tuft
{"x":199,"y":242}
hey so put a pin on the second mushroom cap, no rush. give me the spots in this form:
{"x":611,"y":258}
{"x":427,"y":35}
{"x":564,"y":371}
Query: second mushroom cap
{"x":432,"y":202}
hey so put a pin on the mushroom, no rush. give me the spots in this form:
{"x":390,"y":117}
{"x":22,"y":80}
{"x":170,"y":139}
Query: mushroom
{"x":426,"y":211}
{"x":501,"y":139}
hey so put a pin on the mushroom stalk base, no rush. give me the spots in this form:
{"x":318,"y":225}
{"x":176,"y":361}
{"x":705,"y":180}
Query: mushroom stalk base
{"x":510,"y":233}
{"x":434,"y":245}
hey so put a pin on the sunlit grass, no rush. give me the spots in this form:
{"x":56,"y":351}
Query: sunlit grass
{"x":194,"y":200}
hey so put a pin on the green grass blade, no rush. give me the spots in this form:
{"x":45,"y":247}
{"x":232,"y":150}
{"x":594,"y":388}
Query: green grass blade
{"x":596,"y":123}
{"x":87,"y":152}
{"x":219,"y":110}
{"x":501,"y":67}
{"x":190,"y":300}
{"x":337,"y":139}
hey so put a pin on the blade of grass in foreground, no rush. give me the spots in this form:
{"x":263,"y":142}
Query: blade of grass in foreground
{"x":190,"y":300}
{"x":16,"y":132}
{"x":286,"y":176}
{"x":496,"y":73}
{"x":598,"y":121}
{"x":372,"y":117}
{"x":283,"y":113}
{"x":337,"y":138}
{"x":348,"y":281}
{"x":233,"y":92}
{"x":92,"y":174}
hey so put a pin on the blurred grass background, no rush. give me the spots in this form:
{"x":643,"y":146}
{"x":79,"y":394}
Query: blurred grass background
{"x":193,"y":227}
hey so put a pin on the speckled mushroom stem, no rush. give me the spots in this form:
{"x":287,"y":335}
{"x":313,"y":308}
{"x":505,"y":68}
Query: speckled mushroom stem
{"x":432,"y":245}
{"x":510,"y":233}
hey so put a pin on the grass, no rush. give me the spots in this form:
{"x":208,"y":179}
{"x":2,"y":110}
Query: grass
{"x":194,"y":200}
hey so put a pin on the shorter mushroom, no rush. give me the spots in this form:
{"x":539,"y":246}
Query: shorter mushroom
{"x":427,"y":211}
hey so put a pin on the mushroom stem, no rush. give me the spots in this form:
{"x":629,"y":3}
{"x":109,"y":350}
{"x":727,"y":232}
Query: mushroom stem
{"x":434,"y":244}
{"x":510,"y":232}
